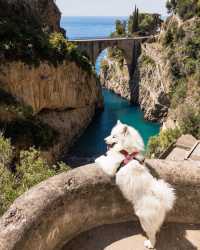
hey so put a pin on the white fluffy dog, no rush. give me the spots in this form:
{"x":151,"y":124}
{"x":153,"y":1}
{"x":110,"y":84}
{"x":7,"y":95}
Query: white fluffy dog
{"x":151,"y":198}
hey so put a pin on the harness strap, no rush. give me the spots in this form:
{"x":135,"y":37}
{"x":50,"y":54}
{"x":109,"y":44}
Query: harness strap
{"x":128,"y":158}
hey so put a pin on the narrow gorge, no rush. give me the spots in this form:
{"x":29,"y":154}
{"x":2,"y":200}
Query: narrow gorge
{"x":165,"y":83}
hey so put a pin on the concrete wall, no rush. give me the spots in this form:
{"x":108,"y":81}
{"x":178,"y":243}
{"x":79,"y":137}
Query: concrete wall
{"x":57,"y":210}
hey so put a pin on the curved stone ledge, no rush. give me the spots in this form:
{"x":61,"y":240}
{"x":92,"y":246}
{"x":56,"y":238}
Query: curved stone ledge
{"x":57,"y":210}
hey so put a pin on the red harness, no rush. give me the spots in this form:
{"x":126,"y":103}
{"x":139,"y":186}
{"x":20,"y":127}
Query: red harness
{"x":128,"y":157}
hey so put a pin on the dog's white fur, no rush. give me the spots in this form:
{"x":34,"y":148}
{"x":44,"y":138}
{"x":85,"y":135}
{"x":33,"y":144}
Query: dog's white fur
{"x":151,"y":198}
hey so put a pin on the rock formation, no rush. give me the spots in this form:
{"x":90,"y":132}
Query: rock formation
{"x":114,"y":75}
{"x":152,"y":79}
{"x":45,"y":12}
{"x":47,"y":87}
{"x":61,"y":88}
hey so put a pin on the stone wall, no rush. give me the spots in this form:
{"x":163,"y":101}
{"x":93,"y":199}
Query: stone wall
{"x":57,"y":210}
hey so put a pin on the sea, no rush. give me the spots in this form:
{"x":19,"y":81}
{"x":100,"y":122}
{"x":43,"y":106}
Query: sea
{"x":91,"y":144}
{"x":89,"y":27}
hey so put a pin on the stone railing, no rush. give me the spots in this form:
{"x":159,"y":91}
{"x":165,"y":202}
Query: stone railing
{"x":57,"y":210}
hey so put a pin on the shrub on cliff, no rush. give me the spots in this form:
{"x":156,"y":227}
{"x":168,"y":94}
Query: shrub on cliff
{"x":190,"y":121}
{"x":120,"y":29}
{"x":60,"y":48}
{"x":15,"y":116}
{"x":178,"y":93}
{"x":184,"y":8}
{"x":144,"y":59}
{"x":23,"y":38}
{"x":30,"y":170}
{"x":6,"y":151}
{"x":147,"y":23}
{"x":158,"y":144}
{"x":104,"y":65}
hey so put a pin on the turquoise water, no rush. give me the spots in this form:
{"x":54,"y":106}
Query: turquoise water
{"x":91,"y":143}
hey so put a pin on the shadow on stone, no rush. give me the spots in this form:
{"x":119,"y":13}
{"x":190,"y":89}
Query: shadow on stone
{"x":129,"y":236}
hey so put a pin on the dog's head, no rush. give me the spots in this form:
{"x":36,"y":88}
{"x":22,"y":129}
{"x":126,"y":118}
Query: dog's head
{"x":124,"y":137}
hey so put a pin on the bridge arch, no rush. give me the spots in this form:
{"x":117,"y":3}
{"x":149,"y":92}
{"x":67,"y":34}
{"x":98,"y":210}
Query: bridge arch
{"x":130,"y":46}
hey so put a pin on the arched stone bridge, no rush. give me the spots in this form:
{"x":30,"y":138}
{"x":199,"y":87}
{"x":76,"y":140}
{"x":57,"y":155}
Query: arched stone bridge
{"x":130,"y":47}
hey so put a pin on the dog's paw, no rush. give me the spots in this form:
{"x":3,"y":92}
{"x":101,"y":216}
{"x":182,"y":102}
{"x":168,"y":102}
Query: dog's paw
{"x":147,"y":244}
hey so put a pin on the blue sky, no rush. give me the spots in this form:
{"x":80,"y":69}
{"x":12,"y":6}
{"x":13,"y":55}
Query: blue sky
{"x":108,"y":7}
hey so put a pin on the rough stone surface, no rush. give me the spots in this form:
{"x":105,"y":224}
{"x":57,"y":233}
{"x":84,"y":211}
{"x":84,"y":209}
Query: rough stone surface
{"x":64,"y":87}
{"x":71,"y":124}
{"x":65,"y":97}
{"x":115,"y":77}
{"x":152,"y":82}
{"x":57,"y":210}
{"x":129,"y":236}
{"x":45,"y":11}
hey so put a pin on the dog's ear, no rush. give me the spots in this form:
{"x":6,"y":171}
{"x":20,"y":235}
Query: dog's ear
{"x":125,"y":130}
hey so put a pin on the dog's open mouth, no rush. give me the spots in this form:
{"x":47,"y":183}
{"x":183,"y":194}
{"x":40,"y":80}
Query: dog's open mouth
{"x":109,"y":146}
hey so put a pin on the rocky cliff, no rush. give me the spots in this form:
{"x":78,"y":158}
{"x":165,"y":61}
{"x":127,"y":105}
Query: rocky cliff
{"x":47,"y":87}
{"x":169,"y":76}
{"x":64,"y":97}
{"x":152,"y":79}
{"x":45,"y":12}
{"x":166,"y":81}
{"x":114,"y":75}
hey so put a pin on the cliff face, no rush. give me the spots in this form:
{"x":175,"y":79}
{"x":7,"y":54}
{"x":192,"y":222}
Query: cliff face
{"x":166,"y":81}
{"x":66,"y":86}
{"x":45,"y":12}
{"x":114,"y":76}
{"x":47,"y":87}
{"x":169,"y":76}
{"x":152,"y":79}
{"x":64,"y":97}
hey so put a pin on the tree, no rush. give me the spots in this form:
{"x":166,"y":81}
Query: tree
{"x":120,"y":27}
{"x":171,"y":5}
{"x":135,"y":20}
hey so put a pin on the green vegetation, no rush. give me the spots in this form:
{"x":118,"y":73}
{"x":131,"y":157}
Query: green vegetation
{"x":138,"y":24}
{"x":104,"y":66}
{"x":120,"y":29}
{"x":183,"y":46}
{"x":17,"y":177}
{"x":145,"y":60}
{"x":178,"y":93}
{"x":23,"y":38}
{"x":190,"y":121}
{"x":15,"y":116}
{"x":157,"y":144}
{"x":133,"y":22}
{"x":184,"y":8}
{"x":116,"y":54}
